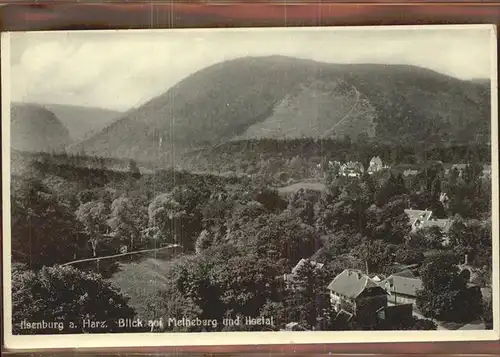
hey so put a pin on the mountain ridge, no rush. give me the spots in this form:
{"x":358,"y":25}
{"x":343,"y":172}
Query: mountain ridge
{"x":239,"y":98}
{"x":81,"y":121}
{"x":37,"y":129}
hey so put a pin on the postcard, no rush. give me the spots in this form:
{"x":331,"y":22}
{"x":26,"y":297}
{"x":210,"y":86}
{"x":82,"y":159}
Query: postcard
{"x":250,"y":186}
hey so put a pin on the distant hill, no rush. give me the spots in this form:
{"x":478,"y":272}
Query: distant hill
{"x":35,"y":128}
{"x":483,"y":81}
{"x":283,"y":97}
{"x":83,"y":121}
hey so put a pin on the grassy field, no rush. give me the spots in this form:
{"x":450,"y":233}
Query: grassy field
{"x":141,"y":279}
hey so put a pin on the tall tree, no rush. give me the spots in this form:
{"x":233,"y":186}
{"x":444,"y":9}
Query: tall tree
{"x":43,"y":231}
{"x":128,"y":220}
{"x":392,"y":187}
{"x":246,"y":286}
{"x":427,"y":237}
{"x":377,"y":256}
{"x":286,"y":239}
{"x":177,"y":215}
{"x":474,"y":238}
{"x":309,"y":300}
{"x":302,"y":204}
{"x":388,"y":222}
{"x":93,"y":216}
{"x":445,"y":294}
{"x":67,"y":296}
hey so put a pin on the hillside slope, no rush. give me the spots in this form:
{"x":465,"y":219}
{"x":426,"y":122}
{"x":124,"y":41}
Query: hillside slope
{"x":34,"y":128}
{"x":83,"y":121}
{"x":258,"y":97}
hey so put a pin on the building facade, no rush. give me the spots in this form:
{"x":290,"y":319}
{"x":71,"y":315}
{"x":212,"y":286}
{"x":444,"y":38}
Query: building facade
{"x":355,"y":293}
{"x":376,"y":165}
{"x":402,"y":288}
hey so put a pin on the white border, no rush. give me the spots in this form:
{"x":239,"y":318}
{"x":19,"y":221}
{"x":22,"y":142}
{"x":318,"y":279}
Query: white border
{"x":242,"y":338}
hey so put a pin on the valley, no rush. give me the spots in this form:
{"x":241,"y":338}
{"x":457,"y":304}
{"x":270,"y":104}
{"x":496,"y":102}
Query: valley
{"x":336,"y":197}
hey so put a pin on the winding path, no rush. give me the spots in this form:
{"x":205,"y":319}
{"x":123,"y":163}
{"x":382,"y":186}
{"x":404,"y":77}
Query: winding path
{"x":170,"y":246}
{"x":347,"y":115}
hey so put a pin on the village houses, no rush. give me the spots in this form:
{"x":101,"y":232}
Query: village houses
{"x":348,"y":169}
{"x":355,"y":296}
{"x":352,"y":168}
{"x":460,"y":169}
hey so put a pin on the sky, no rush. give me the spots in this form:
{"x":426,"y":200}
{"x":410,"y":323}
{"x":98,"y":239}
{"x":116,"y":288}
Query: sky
{"x":123,"y":69}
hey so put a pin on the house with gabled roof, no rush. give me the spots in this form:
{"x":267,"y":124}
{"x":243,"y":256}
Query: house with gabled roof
{"x":417,"y":217}
{"x":376,"y":165}
{"x":357,"y":294}
{"x":424,"y":219}
{"x":402,"y":287}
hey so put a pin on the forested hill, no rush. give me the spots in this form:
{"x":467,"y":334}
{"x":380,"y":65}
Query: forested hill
{"x":286,"y":98}
{"x":81,"y":121}
{"x":252,"y":156}
{"x":35,"y":128}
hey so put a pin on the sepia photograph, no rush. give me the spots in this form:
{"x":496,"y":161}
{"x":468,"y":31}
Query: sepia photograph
{"x":250,"y":186}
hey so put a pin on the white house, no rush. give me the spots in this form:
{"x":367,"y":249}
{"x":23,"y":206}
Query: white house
{"x":351,"y":169}
{"x":418,"y":217}
{"x":376,"y":165}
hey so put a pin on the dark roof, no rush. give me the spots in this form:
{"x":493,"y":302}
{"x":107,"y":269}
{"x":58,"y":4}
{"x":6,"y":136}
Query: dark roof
{"x":351,"y":283}
{"x":343,"y":316}
{"x":403,"y":285}
{"x":396,"y":313}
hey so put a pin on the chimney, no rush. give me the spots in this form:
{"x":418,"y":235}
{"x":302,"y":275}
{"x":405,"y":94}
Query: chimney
{"x":466,"y":260}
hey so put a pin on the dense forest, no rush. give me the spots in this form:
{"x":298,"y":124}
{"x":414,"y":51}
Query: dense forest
{"x":239,"y":234}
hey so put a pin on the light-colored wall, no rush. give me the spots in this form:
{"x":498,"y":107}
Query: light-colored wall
{"x":399,"y":299}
